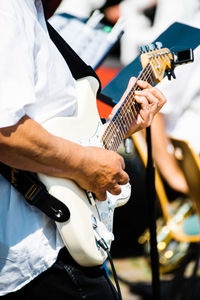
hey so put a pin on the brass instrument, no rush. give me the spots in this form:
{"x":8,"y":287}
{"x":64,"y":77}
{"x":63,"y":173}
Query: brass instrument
{"x":180,"y":224}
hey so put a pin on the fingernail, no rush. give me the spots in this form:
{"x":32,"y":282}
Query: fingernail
{"x":140,"y":81}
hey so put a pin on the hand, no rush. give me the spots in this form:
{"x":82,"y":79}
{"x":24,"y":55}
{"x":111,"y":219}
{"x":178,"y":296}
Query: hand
{"x":151,"y":101}
{"x":100,"y":170}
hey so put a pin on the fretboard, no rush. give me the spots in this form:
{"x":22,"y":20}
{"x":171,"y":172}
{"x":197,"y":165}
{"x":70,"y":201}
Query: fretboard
{"x":126,"y":114}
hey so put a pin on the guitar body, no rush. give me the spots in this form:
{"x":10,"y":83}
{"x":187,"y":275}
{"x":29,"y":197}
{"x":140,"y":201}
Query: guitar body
{"x":89,"y":227}
{"x":89,"y":219}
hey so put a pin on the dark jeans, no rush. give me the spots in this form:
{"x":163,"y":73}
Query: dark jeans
{"x":67,"y":280}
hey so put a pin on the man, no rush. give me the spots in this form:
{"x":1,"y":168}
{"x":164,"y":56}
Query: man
{"x":37,"y":85}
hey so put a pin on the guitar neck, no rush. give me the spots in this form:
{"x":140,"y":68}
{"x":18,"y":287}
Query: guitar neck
{"x":126,"y":114}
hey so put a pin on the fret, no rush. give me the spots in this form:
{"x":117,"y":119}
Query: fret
{"x":126,"y":114}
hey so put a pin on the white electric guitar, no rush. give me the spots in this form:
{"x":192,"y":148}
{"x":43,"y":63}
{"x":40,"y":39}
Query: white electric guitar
{"x":90,"y":223}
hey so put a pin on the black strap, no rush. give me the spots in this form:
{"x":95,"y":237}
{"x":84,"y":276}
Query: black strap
{"x":35,"y":192}
{"x":78,"y":67}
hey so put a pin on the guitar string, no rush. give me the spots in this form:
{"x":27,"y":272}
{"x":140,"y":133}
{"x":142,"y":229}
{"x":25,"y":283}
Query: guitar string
{"x":129,"y":111}
{"x":160,"y":56}
{"x":129,"y":96}
{"x":115,"y":143}
{"x":116,"y":122}
{"x":130,"y":106}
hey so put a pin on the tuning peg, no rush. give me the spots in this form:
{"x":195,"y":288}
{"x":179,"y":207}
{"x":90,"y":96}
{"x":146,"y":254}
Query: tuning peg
{"x":143,"y":49}
{"x":147,"y":48}
{"x":151,"y":47}
{"x":158,"y":45}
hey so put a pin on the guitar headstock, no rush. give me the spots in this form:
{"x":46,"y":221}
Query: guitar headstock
{"x":162,"y":60}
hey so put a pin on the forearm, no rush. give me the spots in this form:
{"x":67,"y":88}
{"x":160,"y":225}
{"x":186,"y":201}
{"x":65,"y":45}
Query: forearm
{"x":160,"y":144}
{"x":28,"y":146}
{"x":165,"y":161}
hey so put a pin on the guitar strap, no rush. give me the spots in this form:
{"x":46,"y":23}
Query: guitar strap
{"x":77,"y":66}
{"x":28,"y":183}
{"x":35,"y":192}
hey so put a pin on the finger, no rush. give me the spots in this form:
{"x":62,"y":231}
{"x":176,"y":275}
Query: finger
{"x":115,"y":190}
{"x":124,"y":178}
{"x":155,"y":92}
{"x":122,"y":163}
{"x":142,"y":100}
{"x":131,"y":82}
{"x":151,"y":100}
{"x":101,"y":195}
{"x":158,"y":94}
{"x":121,"y":179}
{"x":154,"y":97}
{"x":161,"y":98}
{"x":143,"y":84}
{"x":144,"y":116}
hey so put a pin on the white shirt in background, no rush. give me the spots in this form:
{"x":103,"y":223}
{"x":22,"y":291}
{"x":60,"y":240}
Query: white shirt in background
{"x":182,"y":110}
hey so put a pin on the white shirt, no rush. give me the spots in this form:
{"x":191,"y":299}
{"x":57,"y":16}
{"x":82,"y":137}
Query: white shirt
{"x":184,"y":11}
{"x":36,"y":81}
{"x":79,"y":8}
{"x":182,"y":110}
